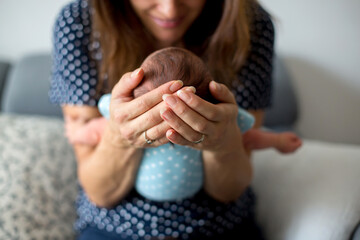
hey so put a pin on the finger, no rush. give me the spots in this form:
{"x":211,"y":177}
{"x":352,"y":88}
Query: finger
{"x":180,"y":126}
{"x":143,"y":103}
{"x":208,"y":110}
{"x":221,"y":93}
{"x":148,"y":120}
{"x":151,"y":122}
{"x":176,"y":138}
{"x":158,"y":133}
{"x":125,"y":86}
{"x":188,"y":115}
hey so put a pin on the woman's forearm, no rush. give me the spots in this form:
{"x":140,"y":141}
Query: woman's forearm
{"x":107,"y":172}
{"x":227,"y":175}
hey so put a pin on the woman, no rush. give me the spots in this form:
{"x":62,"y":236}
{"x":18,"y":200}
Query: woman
{"x":99,"y":42}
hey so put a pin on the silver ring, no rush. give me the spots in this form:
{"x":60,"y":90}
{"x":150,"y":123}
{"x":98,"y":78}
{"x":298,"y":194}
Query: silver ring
{"x":200,"y":140}
{"x":147,"y":140}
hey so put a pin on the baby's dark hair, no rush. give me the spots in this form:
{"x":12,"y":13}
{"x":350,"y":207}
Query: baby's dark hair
{"x":174,"y":63}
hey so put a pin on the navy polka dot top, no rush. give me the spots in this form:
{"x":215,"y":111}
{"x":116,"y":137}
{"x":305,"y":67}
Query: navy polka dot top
{"x":74,"y":81}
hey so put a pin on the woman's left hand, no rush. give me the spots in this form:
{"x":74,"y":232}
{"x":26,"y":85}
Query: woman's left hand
{"x":193,"y":119}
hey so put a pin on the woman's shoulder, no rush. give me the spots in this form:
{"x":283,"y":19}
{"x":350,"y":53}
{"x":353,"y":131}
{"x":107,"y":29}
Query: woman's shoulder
{"x":75,"y":7}
{"x":74,"y":56}
{"x":253,"y":86}
{"x":74,"y":16}
{"x":262,"y":23}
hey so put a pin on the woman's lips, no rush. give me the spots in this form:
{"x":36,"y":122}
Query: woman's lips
{"x":167,"y":23}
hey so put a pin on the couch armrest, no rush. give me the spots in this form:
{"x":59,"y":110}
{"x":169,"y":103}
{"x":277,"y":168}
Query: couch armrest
{"x":312,"y":194}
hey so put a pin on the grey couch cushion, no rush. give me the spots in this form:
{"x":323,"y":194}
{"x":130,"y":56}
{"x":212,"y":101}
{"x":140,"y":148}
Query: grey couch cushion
{"x":4,"y":67}
{"x":26,"y":88}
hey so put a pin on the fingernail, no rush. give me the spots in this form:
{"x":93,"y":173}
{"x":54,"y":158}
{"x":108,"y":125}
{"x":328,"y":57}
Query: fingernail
{"x":191,"y":89}
{"x":169,"y":134}
{"x":169,"y":99}
{"x":216,"y":85}
{"x":164,"y":113}
{"x":183,"y":95}
{"x":135,"y":73}
{"x":176,"y":85}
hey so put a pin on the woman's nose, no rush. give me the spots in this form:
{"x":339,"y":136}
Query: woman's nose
{"x":168,"y":8}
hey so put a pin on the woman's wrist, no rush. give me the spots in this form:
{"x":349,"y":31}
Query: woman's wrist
{"x":232,"y":146}
{"x":227,"y":176}
{"x":113,"y":138}
{"x":227,"y":172}
{"x":109,"y":172}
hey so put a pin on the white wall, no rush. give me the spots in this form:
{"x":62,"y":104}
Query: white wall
{"x":25,"y":26}
{"x":320,"y":40}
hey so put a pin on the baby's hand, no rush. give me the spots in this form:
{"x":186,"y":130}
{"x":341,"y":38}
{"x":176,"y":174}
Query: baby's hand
{"x":288,"y":142}
{"x":89,"y":133}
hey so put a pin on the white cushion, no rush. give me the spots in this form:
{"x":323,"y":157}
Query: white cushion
{"x":311,"y":194}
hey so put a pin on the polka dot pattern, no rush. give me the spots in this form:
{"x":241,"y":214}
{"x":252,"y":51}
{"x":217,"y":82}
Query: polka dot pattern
{"x":170,"y":172}
{"x":75,"y":53}
{"x":253,"y":87}
{"x":139,"y":218}
{"x":74,"y":74}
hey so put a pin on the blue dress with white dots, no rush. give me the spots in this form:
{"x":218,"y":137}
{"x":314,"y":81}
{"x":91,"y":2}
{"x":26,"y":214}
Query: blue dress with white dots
{"x":74,"y":81}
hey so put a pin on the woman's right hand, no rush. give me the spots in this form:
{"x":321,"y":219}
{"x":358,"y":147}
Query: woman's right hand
{"x":107,"y":171}
{"x":130,"y":117}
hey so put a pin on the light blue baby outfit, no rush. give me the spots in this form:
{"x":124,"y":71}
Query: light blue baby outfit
{"x":172,"y":172}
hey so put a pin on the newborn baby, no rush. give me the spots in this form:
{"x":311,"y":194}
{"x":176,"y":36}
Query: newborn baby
{"x":171,"y":172}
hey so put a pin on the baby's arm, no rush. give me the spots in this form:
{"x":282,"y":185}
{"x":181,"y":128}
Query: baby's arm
{"x":286,"y":142}
{"x":89,"y":133}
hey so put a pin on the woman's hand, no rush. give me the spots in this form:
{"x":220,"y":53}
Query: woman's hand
{"x":213,"y":129}
{"x":130,"y":118}
{"x":193,"y":119}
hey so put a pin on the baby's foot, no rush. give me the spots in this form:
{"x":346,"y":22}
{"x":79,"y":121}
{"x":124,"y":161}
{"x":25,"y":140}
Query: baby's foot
{"x":288,"y":142}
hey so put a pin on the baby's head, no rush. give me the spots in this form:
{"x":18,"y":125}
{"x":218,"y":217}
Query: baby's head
{"x":175,"y":63}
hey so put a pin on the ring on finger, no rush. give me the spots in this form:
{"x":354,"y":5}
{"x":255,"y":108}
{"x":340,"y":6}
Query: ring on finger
{"x":200,"y":140}
{"x":148,"y":140}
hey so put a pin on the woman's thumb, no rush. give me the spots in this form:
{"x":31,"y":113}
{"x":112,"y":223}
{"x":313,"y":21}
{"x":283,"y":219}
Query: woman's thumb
{"x":221,"y":93}
{"x":124,"y":88}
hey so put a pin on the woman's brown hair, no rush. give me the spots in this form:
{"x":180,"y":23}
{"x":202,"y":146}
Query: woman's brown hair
{"x":220,"y":36}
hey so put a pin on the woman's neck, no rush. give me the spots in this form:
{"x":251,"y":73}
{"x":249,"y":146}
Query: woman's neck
{"x":160,"y":45}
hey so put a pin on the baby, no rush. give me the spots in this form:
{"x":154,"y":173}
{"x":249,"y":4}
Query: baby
{"x":171,"y":172}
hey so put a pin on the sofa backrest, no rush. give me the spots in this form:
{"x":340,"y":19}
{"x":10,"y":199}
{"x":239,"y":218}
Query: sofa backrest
{"x":27,"y":85}
{"x":4,"y":68}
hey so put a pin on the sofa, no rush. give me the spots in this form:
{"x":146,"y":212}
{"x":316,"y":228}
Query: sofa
{"x":311,"y":194}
